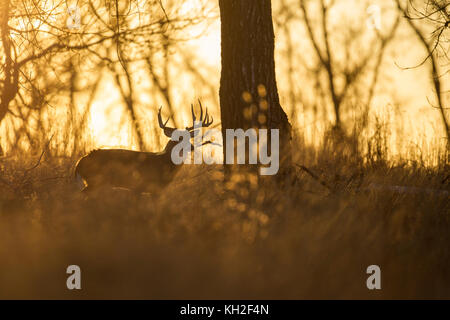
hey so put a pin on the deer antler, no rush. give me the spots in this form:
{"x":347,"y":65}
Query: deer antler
{"x":206,"y":121}
{"x":167,"y":130}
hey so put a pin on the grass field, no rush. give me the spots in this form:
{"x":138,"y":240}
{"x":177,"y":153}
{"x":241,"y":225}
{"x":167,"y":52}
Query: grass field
{"x":205,"y":239}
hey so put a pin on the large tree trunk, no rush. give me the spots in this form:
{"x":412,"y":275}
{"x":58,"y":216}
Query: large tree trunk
{"x":248,"y":88}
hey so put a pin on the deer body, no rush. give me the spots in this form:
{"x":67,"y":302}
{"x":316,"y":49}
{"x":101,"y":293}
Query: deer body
{"x":139,"y":171}
{"x":134,"y":170}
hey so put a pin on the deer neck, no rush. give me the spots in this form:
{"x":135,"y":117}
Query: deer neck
{"x":170,"y":145}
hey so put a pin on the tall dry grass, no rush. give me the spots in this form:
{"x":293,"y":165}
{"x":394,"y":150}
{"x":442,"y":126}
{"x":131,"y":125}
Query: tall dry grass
{"x":205,"y":239}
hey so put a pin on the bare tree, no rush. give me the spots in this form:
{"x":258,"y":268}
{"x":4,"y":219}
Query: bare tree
{"x":435,"y":13}
{"x":343,"y":77}
{"x":39,"y":41}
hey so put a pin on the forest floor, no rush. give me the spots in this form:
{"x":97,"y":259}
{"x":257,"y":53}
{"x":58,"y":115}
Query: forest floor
{"x":203,"y":239}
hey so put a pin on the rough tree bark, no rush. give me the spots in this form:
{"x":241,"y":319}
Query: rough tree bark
{"x":248,"y":87}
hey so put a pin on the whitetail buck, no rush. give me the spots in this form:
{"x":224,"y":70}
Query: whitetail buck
{"x":133,"y":170}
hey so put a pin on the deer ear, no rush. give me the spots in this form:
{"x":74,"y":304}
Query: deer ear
{"x":168,"y":132}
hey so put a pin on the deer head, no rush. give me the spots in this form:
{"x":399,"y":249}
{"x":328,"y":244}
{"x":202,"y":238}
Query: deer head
{"x":203,"y":122}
